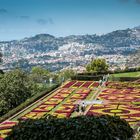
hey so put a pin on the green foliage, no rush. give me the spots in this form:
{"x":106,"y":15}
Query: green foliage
{"x":22,"y":63}
{"x":127,"y":74}
{"x":1,"y":75}
{"x":87,"y":77}
{"x":138,"y":68}
{"x":66,"y":74}
{"x":39,"y":71}
{"x":97,"y":66}
{"x":78,"y":128}
{"x":39,"y":74}
{"x":15,"y":88}
{"x":27,"y":102}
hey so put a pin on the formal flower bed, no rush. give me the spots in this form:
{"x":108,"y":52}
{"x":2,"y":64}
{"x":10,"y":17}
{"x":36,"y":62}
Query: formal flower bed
{"x":101,"y":109}
{"x":69,"y":84}
{"x":78,"y":84}
{"x":61,"y":95}
{"x":95,"y":84}
{"x":123,"y":85}
{"x":43,"y":108}
{"x":133,"y":116}
{"x":54,"y":101}
{"x":7,"y":125}
{"x":70,"y":101}
{"x":78,"y":96}
{"x":136,"y":102}
{"x":65,"y":109}
{"x":118,"y":95}
{"x":33,"y":115}
{"x":61,"y":115}
{"x":83,"y":91}
{"x":121,"y":102}
{"x":48,"y":104}
{"x":5,"y":128}
{"x":66,"y":90}
{"x":87,"y":84}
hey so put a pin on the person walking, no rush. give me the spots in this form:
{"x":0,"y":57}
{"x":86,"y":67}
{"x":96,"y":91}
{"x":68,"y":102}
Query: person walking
{"x":100,"y":82}
{"x":83,"y":108}
{"x":77,"y":109}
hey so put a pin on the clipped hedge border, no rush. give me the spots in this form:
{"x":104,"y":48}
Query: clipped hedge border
{"x":97,"y":77}
{"x":27,"y":103}
{"x":87,"y":77}
{"x":110,"y":72}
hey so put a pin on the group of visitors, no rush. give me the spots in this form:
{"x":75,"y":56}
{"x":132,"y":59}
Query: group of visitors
{"x":104,"y":80}
{"x":80,"y":108}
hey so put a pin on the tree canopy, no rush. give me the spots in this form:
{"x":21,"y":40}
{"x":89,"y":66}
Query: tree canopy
{"x":97,"y":66}
{"x":38,"y":74}
{"x":15,"y":88}
{"x":66,"y":74}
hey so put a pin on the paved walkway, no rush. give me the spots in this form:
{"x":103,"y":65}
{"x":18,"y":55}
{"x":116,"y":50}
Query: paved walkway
{"x":94,"y":97}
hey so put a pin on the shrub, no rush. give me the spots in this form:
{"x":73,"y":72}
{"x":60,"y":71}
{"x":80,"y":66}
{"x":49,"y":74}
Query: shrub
{"x":87,"y":77}
{"x":78,"y":128}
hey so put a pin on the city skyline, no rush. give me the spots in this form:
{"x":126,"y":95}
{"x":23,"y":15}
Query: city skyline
{"x":19,"y":19}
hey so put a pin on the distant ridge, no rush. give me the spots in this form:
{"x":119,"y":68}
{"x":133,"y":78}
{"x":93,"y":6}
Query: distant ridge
{"x":119,"y":43}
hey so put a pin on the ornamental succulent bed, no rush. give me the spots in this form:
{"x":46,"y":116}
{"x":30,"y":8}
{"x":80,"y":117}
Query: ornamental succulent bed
{"x":124,"y":85}
{"x":123,"y":100}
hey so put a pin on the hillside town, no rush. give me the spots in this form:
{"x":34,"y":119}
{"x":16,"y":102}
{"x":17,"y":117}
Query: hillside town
{"x":73,"y":52}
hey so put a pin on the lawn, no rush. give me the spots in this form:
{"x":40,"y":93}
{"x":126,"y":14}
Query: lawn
{"x":128,"y":74}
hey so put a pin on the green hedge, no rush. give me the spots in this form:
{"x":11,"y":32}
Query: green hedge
{"x":87,"y":77}
{"x":110,"y":72}
{"x":97,"y":77}
{"x":93,"y":73}
{"x":1,"y":72}
{"x":27,"y":103}
{"x":78,"y":128}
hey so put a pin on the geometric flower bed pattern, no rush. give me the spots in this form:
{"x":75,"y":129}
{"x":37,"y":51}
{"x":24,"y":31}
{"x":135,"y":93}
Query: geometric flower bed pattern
{"x":87,"y":84}
{"x":64,"y":110}
{"x":61,"y":104}
{"x":120,"y":103}
{"x":69,"y":84}
{"x":78,"y":84}
{"x":123,"y":102}
{"x":124,"y":85}
{"x":5,"y":128}
{"x":93,"y":85}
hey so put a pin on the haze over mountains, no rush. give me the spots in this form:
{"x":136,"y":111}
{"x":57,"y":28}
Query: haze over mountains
{"x":71,"y":51}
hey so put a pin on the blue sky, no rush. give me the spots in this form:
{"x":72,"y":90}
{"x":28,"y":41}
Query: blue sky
{"x":25,"y":18}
